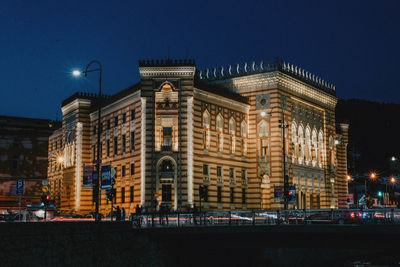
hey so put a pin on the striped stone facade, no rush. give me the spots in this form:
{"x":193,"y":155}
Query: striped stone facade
{"x":179,"y":129}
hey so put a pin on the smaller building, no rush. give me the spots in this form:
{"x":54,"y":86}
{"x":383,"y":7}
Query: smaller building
{"x":23,"y":154}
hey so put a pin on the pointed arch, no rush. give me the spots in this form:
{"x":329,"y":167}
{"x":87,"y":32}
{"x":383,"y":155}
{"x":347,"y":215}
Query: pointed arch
{"x":307,"y":144}
{"x":320,"y":148}
{"x":232,"y":126}
{"x":219,"y":127}
{"x":243,"y":129}
{"x":206,"y":119}
{"x":300,"y":141}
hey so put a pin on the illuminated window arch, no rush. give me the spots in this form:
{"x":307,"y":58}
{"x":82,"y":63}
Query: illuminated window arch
{"x":320,"y":148}
{"x":206,"y":119}
{"x":219,"y":128}
{"x":232,"y":126}
{"x":314,"y":145}
{"x":294,"y":139}
{"x":300,"y":141}
{"x":206,"y":129}
{"x":243,"y":129}
{"x":220,"y":123}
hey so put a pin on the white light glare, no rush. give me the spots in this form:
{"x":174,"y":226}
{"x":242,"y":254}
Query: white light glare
{"x":263,"y":114}
{"x":76,"y":73}
{"x":337,"y":142}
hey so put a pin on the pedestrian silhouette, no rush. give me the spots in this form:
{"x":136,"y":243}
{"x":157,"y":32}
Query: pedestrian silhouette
{"x":123,"y":214}
{"x":118,"y":214}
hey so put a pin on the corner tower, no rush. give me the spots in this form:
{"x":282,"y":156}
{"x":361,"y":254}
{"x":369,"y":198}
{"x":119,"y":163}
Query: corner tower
{"x":166,"y":97}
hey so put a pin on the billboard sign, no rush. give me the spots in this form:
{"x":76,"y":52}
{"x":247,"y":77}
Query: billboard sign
{"x":105,"y":176}
{"x":88,"y":177}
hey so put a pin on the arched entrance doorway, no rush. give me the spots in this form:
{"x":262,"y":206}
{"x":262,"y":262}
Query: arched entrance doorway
{"x":166,"y":182}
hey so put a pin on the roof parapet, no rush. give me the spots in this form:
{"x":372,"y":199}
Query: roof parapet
{"x":166,"y":63}
{"x":262,"y":67}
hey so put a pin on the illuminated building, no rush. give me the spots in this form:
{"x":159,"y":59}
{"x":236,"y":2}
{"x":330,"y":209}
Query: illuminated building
{"x":179,"y":128}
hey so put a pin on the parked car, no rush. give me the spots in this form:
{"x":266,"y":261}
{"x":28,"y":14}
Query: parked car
{"x":335,"y":217}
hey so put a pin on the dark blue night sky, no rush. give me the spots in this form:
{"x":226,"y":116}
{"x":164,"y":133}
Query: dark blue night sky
{"x":354,"y":44}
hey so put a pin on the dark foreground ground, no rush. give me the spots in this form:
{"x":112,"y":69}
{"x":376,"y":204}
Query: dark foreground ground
{"x":117,"y":244}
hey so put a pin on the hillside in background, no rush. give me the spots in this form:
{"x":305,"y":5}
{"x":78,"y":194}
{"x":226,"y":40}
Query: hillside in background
{"x":373,"y":135}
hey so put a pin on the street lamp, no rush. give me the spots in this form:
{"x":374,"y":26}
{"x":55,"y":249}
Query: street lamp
{"x":285,"y":176}
{"x":372,"y":176}
{"x":96,"y":184}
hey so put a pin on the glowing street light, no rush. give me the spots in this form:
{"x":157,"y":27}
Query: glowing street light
{"x":372,"y":175}
{"x":393,"y":180}
{"x":348,"y":178}
{"x":393,"y":158}
{"x":76,"y":73}
{"x":60,"y":159}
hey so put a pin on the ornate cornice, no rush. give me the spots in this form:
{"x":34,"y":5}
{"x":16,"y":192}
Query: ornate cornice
{"x":173,"y":71}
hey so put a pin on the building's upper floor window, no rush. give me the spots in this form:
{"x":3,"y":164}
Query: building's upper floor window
{"x":124,"y":118}
{"x":123,"y":143}
{"x":220,"y":123}
{"x":123,"y":170}
{"x":232,"y":126}
{"x":132,"y":141}
{"x":206,"y":120}
{"x":133,"y":115}
{"x":115,"y":145}
{"x":205,"y":170}
{"x":167,"y":139}
{"x":116,"y":121}
{"x":219,"y":171}
{"x":243,"y":129}
{"x":232,"y":173}
{"x":132,"y":168}
{"x":244,"y":175}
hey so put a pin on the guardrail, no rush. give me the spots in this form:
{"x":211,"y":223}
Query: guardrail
{"x":268,"y":217}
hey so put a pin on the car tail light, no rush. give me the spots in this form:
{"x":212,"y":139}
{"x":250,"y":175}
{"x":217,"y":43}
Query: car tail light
{"x":352,"y":215}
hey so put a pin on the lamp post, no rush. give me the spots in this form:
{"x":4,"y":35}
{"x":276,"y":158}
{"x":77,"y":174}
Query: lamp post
{"x":96,"y":186}
{"x":285,"y":176}
{"x":372,"y":175}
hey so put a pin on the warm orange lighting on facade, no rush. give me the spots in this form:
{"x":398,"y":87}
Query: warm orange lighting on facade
{"x":348,"y":178}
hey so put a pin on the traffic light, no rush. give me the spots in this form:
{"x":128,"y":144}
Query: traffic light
{"x":45,"y":200}
{"x":203,"y":191}
{"x":111,"y":194}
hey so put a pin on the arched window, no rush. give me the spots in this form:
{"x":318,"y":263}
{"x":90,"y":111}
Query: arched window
{"x":219,"y":128}
{"x":314,"y":146}
{"x":320,"y":148}
{"x":206,"y":129}
{"x":232,"y":132}
{"x":307,"y":144}
{"x":206,"y":119}
{"x":263,"y":129}
{"x":300,"y":141}
{"x":220,"y":123}
{"x":243,"y":133}
{"x":294,"y":144}
{"x":243,"y":129}
{"x":232,"y":126}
